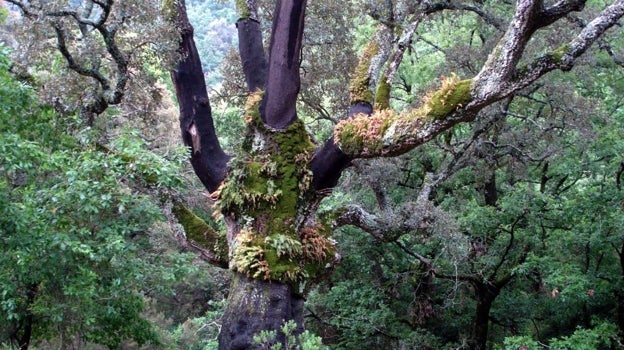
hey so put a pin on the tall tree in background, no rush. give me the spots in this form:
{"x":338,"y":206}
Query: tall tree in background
{"x":269,"y":192}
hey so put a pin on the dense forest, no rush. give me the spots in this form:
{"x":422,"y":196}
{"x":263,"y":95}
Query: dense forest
{"x":212,"y":174}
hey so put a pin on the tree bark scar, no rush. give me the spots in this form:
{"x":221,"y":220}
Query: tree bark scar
{"x":195,"y":138}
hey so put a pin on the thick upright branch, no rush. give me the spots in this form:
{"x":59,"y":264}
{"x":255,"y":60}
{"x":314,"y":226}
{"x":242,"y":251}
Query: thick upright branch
{"x":501,"y":63}
{"x":250,"y":46}
{"x":278,"y":106}
{"x":198,"y":132}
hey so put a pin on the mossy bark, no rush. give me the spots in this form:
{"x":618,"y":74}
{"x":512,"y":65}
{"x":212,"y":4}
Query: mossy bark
{"x":360,"y":89}
{"x":372,"y":135}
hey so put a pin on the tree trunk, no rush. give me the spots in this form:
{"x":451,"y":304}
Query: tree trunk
{"x":23,"y":341}
{"x":485,"y":295}
{"x":620,"y":298}
{"x":254,"y":306}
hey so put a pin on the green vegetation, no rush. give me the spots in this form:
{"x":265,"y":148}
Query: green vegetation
{"x":80,"y":230}
{"x":505,"y":233}
{"x":69,"y":265}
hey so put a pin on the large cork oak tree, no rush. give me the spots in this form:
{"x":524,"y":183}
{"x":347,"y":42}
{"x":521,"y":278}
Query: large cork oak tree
{"x":269,"y":191}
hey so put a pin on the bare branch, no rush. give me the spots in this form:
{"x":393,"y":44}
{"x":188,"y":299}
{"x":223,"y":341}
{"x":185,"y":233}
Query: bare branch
{"x":565,"y":57}
{"x":283,"y":83}
{"x":250,"y":45}
{"x":207,"y":157}
{"x":72,"y":63}
{"x":449,"y":5}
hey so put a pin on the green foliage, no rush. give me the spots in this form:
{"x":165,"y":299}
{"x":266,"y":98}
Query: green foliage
{"x":305,"y":341}
{"x":74,"y":224}
{"x":284,"y":245}
{"x":199,"y":231}
{"x":216,"y":20}
{"x":199,"y":333}
{"x":520,"y":342}
{"x":4,"y":14}
{"x":599,"y":337}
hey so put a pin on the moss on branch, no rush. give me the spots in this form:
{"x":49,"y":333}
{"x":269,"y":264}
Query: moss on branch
{"x":243,"y":9}
{"x":453,"y":94}
{"x":199,"y":232}
{"x":169,"y":9}
{"x":382,"y":95}
{"x":559,"y":53}
{"x":369,"y":134}
{"x":360,"y":83}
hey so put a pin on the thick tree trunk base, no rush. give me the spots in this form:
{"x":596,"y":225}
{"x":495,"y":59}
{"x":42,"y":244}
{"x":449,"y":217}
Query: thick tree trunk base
{"x":254,"y":306}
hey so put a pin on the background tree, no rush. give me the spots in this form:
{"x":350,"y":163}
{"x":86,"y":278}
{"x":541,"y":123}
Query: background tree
{"x":88,"y":250}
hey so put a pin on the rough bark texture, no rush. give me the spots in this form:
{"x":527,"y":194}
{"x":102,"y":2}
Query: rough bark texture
{"x":254,"y":306}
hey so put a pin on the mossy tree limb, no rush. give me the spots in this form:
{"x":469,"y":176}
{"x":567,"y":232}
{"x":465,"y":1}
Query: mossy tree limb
{"x":387,"y":133}
{"x":367,"y":72}
{"x":201,"y":237}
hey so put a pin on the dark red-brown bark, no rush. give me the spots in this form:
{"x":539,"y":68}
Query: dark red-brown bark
{"x":254,"y":306}
{"x":619,"y":312}
{"x":251,"y":51}
{"x":22,"y":336}
{"x":278,"y":108}
{"x":198,"y":132}
{"x":329,"y":161}
{"x":485,"y":294}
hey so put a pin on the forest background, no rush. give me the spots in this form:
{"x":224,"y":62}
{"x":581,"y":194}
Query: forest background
{"x":504,"y":233}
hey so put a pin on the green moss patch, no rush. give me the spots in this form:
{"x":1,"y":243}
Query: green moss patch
{"x":198,"y":231}
{"x":360,"y":83}
{"x":268,"y":184}
{"x":453,"y":94}
{"x":369,"y":134}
